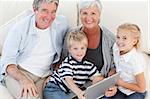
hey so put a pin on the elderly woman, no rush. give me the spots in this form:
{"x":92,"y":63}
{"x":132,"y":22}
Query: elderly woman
{"x":100,"y":39}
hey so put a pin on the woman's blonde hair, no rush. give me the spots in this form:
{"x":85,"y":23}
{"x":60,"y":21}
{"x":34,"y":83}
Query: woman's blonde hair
{"x":134,"y":29}
{"x":76,"y":36}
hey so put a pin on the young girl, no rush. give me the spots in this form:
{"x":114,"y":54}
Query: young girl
{"x":129,"y":63}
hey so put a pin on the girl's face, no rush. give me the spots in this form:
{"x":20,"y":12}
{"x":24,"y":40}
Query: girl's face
{"x":90,"y":17}
{"x":125,"y":41}
{"x":78,"y":49}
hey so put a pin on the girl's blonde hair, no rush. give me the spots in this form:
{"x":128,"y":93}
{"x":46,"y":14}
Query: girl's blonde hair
{"x":134,"y":29}
{"x":76,"y":36}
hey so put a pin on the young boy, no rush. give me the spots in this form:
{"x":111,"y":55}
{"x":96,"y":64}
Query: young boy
{"x":73,"y":72}
{"x":129,"y":63}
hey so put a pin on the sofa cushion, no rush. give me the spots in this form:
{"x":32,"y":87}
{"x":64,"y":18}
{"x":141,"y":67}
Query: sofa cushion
{"x":4,"y":93}
{"x":5,"y":28}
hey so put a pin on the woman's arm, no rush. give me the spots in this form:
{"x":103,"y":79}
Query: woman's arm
{"x":112,"y":71}
{"x":75,"y":88}
{"x":138,"y":87}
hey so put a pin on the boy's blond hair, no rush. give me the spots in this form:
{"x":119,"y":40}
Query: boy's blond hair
{"x":76,"y":36}
{"x":134,"y":29}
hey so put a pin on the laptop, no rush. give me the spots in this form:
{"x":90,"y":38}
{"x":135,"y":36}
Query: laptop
{"x":97,"y":90}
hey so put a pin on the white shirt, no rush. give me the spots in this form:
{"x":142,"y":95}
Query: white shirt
{"x":128,"y":65}
{"x":41,"y":56}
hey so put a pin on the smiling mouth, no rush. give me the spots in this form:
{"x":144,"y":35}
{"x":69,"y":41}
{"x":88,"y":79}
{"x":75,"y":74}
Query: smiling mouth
{"x":79,"y":55}
{"x":89,"y":22}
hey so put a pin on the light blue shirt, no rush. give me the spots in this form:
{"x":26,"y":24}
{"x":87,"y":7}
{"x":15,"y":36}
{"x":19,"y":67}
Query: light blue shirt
{"x":22,"y":38}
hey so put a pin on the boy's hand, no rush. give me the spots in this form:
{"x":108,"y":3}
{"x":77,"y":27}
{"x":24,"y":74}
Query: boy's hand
{"x":46,"y":81}
{"x":81,"y":95}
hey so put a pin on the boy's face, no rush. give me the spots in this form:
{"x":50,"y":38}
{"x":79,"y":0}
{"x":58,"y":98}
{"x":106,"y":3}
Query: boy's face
{"x":78,"y":49}
{"x":125,"y":40}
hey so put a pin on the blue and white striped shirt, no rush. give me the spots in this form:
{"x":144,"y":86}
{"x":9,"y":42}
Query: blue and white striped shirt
{"x":79,"y":71}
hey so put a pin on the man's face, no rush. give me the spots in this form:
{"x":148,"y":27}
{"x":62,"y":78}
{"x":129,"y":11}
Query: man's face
{"x":45,"y":15}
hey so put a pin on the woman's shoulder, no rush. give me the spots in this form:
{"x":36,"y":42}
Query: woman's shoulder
{"x":107,"y":32}
{"x":108,"y":35}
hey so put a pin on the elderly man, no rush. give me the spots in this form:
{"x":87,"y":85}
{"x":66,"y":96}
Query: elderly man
{"x":31,"y":47}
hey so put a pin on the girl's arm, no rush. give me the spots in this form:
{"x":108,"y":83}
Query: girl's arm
{"x":75,"y":88}
{"x":138,"y":87}
{"x":111,"y":91}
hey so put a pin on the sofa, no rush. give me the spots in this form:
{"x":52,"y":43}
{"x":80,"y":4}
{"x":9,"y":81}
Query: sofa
{"x":111,"y":18}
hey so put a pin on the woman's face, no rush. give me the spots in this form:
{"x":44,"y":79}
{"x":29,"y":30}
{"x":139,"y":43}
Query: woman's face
{"x":90,"y":17}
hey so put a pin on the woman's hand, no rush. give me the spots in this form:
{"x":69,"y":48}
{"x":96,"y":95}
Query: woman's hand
{"x":111,"y":91}
{"x":112,"y":71}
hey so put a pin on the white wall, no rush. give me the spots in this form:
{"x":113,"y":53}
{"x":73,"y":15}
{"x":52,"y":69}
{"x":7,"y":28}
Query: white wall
{"x":114,"y":13}
{"x":11,"y":8}
{"x":117,"y":12}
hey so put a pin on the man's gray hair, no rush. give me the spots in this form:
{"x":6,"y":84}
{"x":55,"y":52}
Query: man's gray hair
{"x":37,"y":3}
{"x":89,"y":3}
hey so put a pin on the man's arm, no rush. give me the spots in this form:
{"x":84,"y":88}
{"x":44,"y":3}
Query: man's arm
{"x":27,"y":84}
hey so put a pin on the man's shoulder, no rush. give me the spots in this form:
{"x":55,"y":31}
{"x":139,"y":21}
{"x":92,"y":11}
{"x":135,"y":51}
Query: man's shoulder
{"x":22,"y":23}
{"x":60,"y":19}
{"x":61,"y":22}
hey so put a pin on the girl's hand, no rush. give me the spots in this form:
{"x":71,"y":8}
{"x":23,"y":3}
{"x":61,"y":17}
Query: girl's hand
{"x":120,"y":82}
{"x":111,"y":91}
